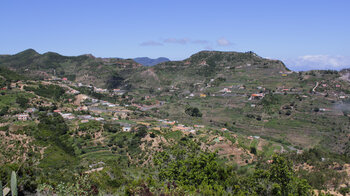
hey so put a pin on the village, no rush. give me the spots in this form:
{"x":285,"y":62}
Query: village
{"x":84,"y":107}
{"x":89,"y":111}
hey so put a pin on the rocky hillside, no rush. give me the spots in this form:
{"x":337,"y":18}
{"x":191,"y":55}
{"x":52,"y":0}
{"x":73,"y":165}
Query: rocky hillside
{"x":206,"y":65}
{"x":85,"y":68}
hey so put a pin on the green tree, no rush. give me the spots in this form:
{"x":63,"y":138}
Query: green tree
{"x":278,"y":179}
{"x":191,"y":168}
{"x":193,"y":111}
{"x":22,"y":101}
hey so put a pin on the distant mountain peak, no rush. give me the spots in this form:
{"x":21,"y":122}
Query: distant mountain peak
{"x":29,"y":51}
{"x":145,"y":61}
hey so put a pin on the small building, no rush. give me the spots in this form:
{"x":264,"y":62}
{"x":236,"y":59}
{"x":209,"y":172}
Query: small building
{"x":30,"y":110}
{"x":127,"y":128}
{"x":118,"y":91}
{"x":73,"y":91}
{"x":203,"y":95}
{"x":100,"y":90}
{"x":111,"y":105}
{"x":99,"y":119}
{"x":22,"y":117}
{"x":13,"y":85}
{"x":169,"y":122}
{"x":256,"y":96}
{"x":68,"y":116}
{"x":203,"y":63}
{"x":82,"y":108}
{"x":86,"y":117}
{"x":225,"y":90}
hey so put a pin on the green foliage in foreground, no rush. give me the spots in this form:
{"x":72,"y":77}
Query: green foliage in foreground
{"x":1,"y":193}
{"x":185,"y":169}
{"x":200,"y":172}
{"x":14,"y":191}
{"x":13,"y":183}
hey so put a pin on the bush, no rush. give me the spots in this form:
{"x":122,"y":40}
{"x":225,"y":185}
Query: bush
{"x":193,"y":111}
{"x":112,"y":128}
{"x":253,"y":150}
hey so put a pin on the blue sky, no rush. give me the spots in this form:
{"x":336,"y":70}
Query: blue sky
{"x":304,"y":34}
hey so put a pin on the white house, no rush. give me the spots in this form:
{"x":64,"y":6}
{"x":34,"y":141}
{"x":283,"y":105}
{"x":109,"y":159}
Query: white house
{"x":127,"y":128}
{"x":22,"y":117}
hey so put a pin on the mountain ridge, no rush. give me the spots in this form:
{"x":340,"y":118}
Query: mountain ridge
{"x":146,"y":61}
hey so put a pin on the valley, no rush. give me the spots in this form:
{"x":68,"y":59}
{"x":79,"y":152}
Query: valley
{"x":120,"y":124}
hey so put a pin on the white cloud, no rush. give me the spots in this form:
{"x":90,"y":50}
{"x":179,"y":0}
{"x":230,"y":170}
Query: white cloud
{"x":309,"y":62}
{"x":200,"y":41}
{"x":151,"y":43}
{"x":177,"y":41}
{"x":223,"y":42}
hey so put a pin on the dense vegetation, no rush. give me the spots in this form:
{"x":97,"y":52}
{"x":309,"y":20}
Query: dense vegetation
{"x":49,"y":91}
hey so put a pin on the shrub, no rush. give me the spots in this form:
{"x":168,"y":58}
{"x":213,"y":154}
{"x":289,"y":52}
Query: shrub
{"x":193,"y":111}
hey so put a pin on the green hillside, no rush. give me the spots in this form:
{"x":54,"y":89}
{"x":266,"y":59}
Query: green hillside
{"x":217,"y":123}
{"x":85,"y":68}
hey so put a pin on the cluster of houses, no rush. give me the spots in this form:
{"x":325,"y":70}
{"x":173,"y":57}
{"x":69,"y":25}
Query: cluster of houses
{"x":108,"y":104}
{"x":25,"y":116}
